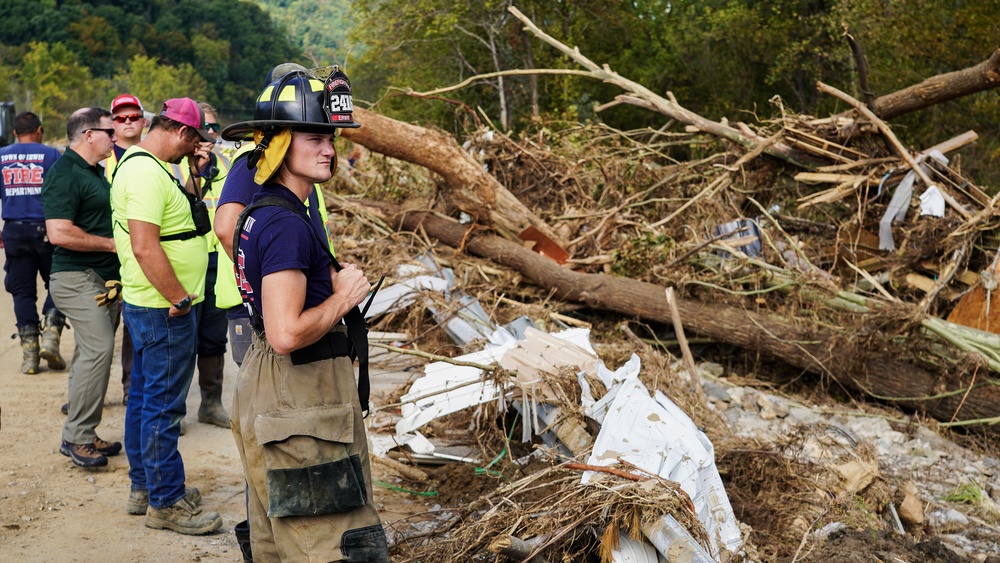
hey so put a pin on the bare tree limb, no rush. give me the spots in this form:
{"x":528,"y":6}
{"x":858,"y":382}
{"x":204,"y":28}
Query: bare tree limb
{"x":488,"y":75}
{"x":670,"y":108}
{"x":470,"y":188}
{"x":826,"y":89}
{"x":862,"y":62}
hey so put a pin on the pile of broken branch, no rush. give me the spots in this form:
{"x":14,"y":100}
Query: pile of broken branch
{"x":823,"y":243}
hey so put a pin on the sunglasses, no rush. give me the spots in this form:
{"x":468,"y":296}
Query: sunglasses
{"x":213,"y":127}
{"x":129,"y":118}
{"x":110,"y":132}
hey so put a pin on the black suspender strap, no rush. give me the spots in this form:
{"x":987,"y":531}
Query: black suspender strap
{"x":198,"y":212}
{"x":357,"y":328}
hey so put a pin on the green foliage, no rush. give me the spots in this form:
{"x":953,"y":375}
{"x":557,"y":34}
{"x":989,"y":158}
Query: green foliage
{"x":229,"y":44}
{"x":967,"y":493}
{"x":154,"y":83}
{"x":317,"y":27}
{"x":641,"y":255}
{"x":51,"y":83}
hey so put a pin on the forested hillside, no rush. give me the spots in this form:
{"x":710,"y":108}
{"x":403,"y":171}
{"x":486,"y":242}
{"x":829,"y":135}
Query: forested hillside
{"x":56,"y":56}
{"x":317,"y":27}
{"x":721,"y":58}
{"x":738,"y":59}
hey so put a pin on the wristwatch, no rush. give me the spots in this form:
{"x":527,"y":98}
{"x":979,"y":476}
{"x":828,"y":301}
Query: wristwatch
{"x":183,"y":304}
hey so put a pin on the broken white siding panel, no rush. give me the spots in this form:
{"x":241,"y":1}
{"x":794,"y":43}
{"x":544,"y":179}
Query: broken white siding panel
{"x":656,"y":435}
{"x":535,"y":418}
{"x":454,"y":394}
{"x":674,"y":542}
{"x":381,"y":444}
{"x":447,"y":388}
{"x":541,"y":352}
{"x":430,"y":265}
{"x":404,"y":294}
{"x":697,"y":474}
{"x":466,"y":321}
{"x":597,"y":409}
{"x":631,"y":551}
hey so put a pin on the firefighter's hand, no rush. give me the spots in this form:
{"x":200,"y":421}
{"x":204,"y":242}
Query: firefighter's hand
{"x":351,"y":284}
{"x":112,"y":295}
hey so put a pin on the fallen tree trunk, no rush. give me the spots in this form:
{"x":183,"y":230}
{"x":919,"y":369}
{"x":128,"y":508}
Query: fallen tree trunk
{"x":940,"y":88}
{"x":937,"y":89}
{"x":470,"y":188}
{"x":799,"y":343}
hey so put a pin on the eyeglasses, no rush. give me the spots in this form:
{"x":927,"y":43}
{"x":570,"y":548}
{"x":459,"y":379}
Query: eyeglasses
{"x":109,"y":131}
{"x":129,"y":118}
{"x":213,"y":127}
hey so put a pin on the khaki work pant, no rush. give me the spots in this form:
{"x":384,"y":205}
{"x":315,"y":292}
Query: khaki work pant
{"x":301,"y":437}
{"x":94,"y":333}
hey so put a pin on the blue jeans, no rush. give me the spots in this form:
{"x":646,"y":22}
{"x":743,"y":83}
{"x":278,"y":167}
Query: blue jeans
{"x":162,"y":370}
{"x":29,"y":254}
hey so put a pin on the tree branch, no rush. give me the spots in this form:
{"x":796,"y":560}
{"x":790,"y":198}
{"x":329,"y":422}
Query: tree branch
{"x":654,"y":102}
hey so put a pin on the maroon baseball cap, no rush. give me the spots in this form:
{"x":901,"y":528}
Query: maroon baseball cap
{"x":187,"y":112}
{"x":125,"y":100}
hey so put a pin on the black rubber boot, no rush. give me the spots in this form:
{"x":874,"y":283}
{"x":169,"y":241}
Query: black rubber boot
{"x":210,"y":375}
{"x":243,"y":539}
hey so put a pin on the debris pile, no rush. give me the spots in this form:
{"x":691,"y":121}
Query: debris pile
{"x":822,"y":243}
{"x":865,"y":249}
{"x":649,"y":471}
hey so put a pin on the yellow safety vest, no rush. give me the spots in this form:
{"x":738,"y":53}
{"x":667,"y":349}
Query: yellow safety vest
{"x":227,"y":295}
{"x":109,"y":165}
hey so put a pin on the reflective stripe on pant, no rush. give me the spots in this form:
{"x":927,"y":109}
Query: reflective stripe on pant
{"x":309,"y":414}
{"x":94,"y":336}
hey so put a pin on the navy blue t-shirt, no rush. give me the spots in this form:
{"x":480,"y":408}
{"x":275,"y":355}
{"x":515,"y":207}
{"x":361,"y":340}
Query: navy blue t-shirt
{"x":22,"y":170}
{"x":274,"y":239}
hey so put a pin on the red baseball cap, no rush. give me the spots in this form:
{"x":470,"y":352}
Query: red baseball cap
{"x":188,"y":112}
{"x":125,"y":100}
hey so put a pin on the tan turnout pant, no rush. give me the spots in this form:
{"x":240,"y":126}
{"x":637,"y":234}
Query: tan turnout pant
{"x":301,"y":437}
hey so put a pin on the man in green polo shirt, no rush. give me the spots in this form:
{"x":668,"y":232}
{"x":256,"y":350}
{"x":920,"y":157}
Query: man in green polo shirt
{"x":75,"y":198}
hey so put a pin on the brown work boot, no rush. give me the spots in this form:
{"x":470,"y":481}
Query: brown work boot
{"x":183,"y":517}
{"x":107,"y":448}
{"x":29,"y":348}
{"x":84,"y":455}
{"x":52,"y":328}
{"x":138,"y":499}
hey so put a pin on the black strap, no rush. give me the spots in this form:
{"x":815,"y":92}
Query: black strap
{"x":357,"y":328}
{"x":164,"y":238}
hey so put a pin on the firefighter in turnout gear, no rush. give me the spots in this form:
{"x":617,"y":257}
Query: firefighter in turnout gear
{"x":298,"y":412}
